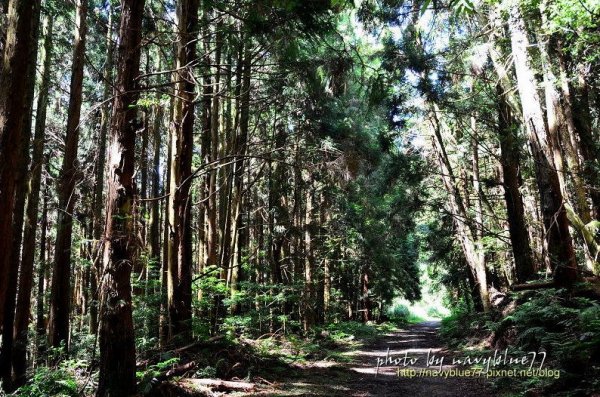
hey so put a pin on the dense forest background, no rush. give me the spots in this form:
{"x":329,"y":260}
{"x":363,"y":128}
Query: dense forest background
{"x":180,"y":172}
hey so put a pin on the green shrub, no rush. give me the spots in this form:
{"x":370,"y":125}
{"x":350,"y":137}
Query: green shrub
{"x":567,"y":329}
{"x":399,"y":314}
{"x":434,"y":312}
{"x":59,"y":382}
{"x":145,"y":377}
{"x":461,"y":324}
{"x":351,"y":329}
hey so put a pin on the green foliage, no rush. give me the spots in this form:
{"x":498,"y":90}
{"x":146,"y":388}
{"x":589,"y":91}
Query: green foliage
{"x":206,"y":372}
{"x":59,"y":382}
{"x":145,"y":376}
{"x":578,"y":22}
{"x":462,"y":324}
{"x":566,"y":328}
{"x":351,"y":330}
{"x":399,"y":314}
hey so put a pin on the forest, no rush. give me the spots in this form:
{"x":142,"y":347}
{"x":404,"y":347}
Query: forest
{"x":288,"y":197}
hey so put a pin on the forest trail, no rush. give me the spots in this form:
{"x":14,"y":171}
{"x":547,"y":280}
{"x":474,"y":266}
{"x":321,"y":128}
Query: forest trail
{"x":359,"y":376}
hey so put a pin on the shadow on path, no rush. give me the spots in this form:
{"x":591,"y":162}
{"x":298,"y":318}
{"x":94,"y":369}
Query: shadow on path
{"x":360,"y":377}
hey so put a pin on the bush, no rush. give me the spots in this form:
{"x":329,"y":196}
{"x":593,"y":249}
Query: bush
{"x":434,"y":312}
{"x":350,"y":330}
{"x":566,"y":328}
{"x":399,"y":314}
{"x":461,"y":324}
{"x":46,"y":381}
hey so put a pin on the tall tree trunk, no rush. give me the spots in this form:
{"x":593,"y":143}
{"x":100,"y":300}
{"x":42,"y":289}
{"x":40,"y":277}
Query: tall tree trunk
{"x":31,"y":220}
{"x":308,"y":296}
{"x":479,"y":219}
{"x":560,"y":132}
{"x":117,"y":340}
{"x":325,"y":217}
{"x":19,"y":208}
{"x":226,"y":203}
{"x":239,"y":167}
{"x":559,"y":243}
{"x":461,"y":218}
{"x":60,"y":290}
{"x":212,"y":209}
{"x":509,"y":160}
{"x":13,"y":98}
{"x":164,"y":327}
{"x":588,"y":148}
{"x":179,"y":283}
{"x":139,"y":268}
{"x":205,"y":143}
{"x":41,"y":340}
{"x":154,"y":264}
{"x":99,"y":171}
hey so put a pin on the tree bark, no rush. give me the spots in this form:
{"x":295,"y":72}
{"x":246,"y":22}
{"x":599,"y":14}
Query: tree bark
{"x":19,"y":207}
{"x":31,"y":220}
{"x":509,"y":160}
{"x":308,"y":296}
{"x":588,"y":146}
{"x":179,"y":282}
{"x":559,"y":244}
{"x":155,"y":262}
{"x":239,"y":167}
{"x":456,"y":202}
{"x":41,"y":340}
{"x":99,"y":178}
{"x":58,"y":332}
{"x":117,"y":339}
{"x":13,"y":98}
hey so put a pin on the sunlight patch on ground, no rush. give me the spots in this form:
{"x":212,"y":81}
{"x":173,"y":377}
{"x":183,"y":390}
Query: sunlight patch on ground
{"x":382,"y":353}
{"x":398,"y":342}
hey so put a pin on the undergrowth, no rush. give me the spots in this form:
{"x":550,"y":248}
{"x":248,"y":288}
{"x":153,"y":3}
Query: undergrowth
{"x":323,"y":343}
{"x":566,"y":328}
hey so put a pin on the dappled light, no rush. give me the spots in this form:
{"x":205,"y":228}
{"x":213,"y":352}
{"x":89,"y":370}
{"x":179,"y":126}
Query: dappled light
{"x":346,"y":198}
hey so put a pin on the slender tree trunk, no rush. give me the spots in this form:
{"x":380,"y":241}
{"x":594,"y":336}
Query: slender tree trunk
{"x":165,"y":327}
{"x":456,"y":202}
{"x":308,"y":295}
{"x":239,"y":168}
{"x":154,"y":265}
{"x":179,"y":283}
{"x":41,"y":280}
{"x":325,"y":217}
{"x":60,"y":288}
{"x":226,"y":203}
{"x":478,"y":226}
{"x":212,"y":209}
{"x":140,"y":269}
{"x":99,"y":178}
{"x":205,"y":146}
{"x":213,"y":230}
{"x":367,"y":309}
{"x":117,"y":340}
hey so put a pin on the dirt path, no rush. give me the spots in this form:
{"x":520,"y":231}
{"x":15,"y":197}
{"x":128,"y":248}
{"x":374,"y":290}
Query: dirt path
{"x":360,"y":377}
